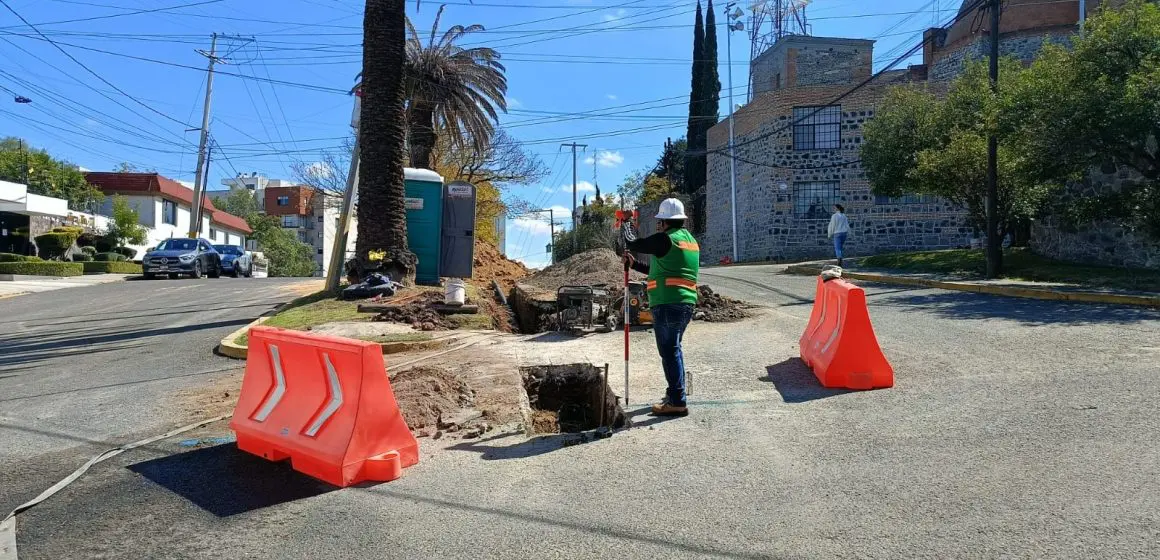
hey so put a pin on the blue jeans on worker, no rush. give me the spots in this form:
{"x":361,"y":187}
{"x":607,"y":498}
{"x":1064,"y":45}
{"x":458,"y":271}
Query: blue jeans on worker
{"x":839,"y":243}
{"x":669,"y":323}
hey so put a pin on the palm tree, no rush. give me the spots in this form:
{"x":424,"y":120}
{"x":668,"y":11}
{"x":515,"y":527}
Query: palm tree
{"x":451,"y":90}
{"x":382,"y":216}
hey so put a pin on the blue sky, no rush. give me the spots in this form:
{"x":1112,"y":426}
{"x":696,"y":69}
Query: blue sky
{"x":280,"y":99}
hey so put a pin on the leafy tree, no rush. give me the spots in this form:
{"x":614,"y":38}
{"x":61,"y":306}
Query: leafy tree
{"x":287,"y":255}
{"x":125,"y":228}
{"x":920,"y":144}
{"x":239,"y":202}
{"x":1097,"y":105}
{"x":711,"y":86}
{"x":46,"y":175}
{"x":126,"y":167}
{"x":671,"y":165}
{"x":382,"y":215}
{"x":451,"y":88}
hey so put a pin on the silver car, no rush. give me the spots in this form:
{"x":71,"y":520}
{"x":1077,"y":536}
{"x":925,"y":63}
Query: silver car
{"x":236,"y":260}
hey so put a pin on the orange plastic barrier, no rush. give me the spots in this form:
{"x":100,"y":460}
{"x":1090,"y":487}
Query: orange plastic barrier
{"x":839,"y":343}
{"x":326,"y":404}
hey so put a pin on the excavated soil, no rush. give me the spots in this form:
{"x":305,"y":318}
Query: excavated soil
{"x":570,"y":398}
{"x":490,"y":265}
{"x":598,"y":266}
{"x":716,"y":308}
{"x":417,"y":313}
{"x":426,"y":393}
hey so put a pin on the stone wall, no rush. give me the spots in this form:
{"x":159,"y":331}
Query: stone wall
{"x":811,"y":61}
{"x":768,"y":167}
{"x":1102,"y":243}
{"x":947,"y":66}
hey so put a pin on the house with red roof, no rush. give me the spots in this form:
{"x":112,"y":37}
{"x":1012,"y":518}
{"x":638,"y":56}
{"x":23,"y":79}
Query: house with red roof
{"x":164,"y":207}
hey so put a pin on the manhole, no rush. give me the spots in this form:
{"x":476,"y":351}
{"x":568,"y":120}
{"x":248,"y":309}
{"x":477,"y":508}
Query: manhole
{"x":570,"y":398}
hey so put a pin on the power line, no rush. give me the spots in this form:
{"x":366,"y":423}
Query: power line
{"x":108,"y":16}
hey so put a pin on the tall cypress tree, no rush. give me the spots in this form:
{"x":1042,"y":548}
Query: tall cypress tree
{"x":695,"y":132}
{"x":712,"y":87}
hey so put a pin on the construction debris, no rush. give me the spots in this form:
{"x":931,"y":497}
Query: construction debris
{"x":595,"y":267}
{"x":427,"y":394}
{"x":715,"y":308}
{"x":490,"y":265}
{"x":418,"y":312}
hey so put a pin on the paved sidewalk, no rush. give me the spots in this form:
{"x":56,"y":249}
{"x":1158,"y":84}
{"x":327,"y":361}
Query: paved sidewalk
{"x":36,"y":284}
{"x":1003,"y":287}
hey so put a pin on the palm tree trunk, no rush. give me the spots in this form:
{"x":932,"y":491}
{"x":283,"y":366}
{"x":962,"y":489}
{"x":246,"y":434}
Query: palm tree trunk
{"x":382,"y":215}
{"x":422,"y":135}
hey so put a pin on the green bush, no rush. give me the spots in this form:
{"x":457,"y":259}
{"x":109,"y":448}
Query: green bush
{"x":54,"y":245}
{"x":109,"y":257}
{"x":11,"y":257}
{"x":82,"y":257}
{"x":89,"y":250}
{"x":112,"y":268}
{"x":42,"y":268}
{"x":69,"y":229}
{"x":129,"y":253}
{"x":104,"y":244}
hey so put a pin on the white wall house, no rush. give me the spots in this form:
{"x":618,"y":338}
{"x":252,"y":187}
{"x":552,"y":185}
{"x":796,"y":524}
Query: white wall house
{"x":164,"y":207}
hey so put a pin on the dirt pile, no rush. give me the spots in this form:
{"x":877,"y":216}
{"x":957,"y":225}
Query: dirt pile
{"x":490,"y":264}
{"x":716,"y":308}
{"x":425,"y":394}
{"x":418,"y":313}
{"x":598,"y":266}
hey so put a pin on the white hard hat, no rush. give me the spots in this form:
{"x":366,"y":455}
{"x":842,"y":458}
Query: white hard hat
{"x":671,"y":209}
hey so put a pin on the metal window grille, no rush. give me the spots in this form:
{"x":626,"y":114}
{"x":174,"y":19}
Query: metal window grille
{"x":813,"y":200}
{"x":169,"y":212}
{"x":817,"y":128}
{"x":905,"y":199}
{"x":283,"y":201}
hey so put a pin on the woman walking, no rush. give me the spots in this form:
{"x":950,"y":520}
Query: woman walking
{"x":839,"y":228}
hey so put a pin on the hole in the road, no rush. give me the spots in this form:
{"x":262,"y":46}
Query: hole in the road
{"x":570,"y":398}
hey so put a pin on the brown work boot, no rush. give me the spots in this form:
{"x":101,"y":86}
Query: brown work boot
{"x":664,"y":408}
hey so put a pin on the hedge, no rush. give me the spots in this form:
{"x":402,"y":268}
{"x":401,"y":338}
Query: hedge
{"x":89,"y":250}
{"x":112,"y":268}
{"x":82,"y":257}
{"x":12,"y":257}
{"x":128,"y":252}
{"x":54,"y":245}
{"x":109,"y":257}
{"x":48,"y":268}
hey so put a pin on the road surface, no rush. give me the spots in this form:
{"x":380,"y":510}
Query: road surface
{"x":1016,"y":428}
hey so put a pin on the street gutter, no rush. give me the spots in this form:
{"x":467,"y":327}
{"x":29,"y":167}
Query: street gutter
{"x":992,"y":289}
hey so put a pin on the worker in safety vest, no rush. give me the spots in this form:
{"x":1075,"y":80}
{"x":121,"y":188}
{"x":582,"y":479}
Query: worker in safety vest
{"x":672,"y":294}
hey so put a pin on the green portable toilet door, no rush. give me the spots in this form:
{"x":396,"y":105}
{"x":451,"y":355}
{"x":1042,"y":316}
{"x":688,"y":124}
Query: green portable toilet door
{"x":424,"y":204}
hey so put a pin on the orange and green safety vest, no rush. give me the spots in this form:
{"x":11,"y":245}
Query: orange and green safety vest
{"x":673,"y":277}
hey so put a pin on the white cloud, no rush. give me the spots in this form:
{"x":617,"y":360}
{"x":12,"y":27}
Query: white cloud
{"x":581,"y":187}
{"x":531,"y":225}
{"x":611,"y":97}
{"x":514,"y":103}
{"x":606,"y":159}
{"x":548,"y":189}
{"x":618,"y":14}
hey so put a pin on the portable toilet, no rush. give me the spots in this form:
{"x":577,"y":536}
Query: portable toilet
{"x":424,"y":202}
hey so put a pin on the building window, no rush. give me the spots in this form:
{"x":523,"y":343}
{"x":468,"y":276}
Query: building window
{"x":212,"y":234}
{"x":302,"y":236}
{"x":813,"y":200}
{"x":290,"y":221}
{"x":320,"y":251}
{"x":817,"y":128}
{"x":905,"y":199}
{"x":320,"y":218}
{"x":283,"y":201}
{"x":169,"y":212}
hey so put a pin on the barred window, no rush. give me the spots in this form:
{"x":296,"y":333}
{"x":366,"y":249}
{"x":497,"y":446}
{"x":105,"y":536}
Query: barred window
{"x":905,"y":199}
{"x":813,"y":200}
{"x":817,"y":128}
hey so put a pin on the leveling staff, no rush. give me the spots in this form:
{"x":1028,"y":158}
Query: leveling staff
{"x":672,"y":294}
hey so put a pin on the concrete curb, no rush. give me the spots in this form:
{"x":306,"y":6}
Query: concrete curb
{"x":998,"y":290}
{"x":226,"y":347}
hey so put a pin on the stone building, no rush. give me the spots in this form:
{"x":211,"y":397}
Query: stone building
{"x":797,"y":155}
{"x":797,"y":150}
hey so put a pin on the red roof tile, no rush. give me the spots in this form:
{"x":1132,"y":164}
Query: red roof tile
{"x":136,"y":183}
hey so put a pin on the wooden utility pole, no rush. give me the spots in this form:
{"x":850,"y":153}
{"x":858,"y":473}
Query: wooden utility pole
{"x":994,"y":251}
{"x":575,"y":235}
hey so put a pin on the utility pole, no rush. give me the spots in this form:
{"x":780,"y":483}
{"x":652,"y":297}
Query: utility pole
{"x":733,"y":26}
{"x":1082,"y":15}
{"x":195,"y":207}
{"x":202,"y":160}
{"x":551,"y":229}
{"x":575,"y":237}
{"x":204,"y":184}
{"x":338,"y":250}
{"x":994,"y":244}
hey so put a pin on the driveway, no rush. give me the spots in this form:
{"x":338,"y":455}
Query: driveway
{"x":1016,"y":428}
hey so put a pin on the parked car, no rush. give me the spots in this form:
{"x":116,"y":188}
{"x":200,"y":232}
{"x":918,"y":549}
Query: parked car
{"x":235,"y":260}
{"x":179,"y":255}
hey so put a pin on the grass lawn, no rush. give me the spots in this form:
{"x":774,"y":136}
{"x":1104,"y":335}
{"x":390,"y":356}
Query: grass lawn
{"x":322,"y":307}
{"x":1018,"y":264}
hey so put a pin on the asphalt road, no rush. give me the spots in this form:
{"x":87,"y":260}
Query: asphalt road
{"x":1016,"y":428}
{"x":84,"y":369}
